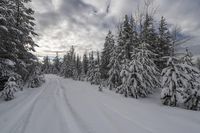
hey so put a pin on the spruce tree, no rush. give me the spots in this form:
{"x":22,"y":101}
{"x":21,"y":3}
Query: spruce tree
{"x":140,"y":78}
{"x":16,"y":42}
{"x":164,"y":43}
{"x":127,"y":37}
{"x":36,"y":78}
{"x":191,"y":94}
{"x":65,"y":66}
{"x":148,"y":34}
{"x":198,"y":63}
{"x":115,"y":68}
{"x":56,"y":65}
{"x":124,"y":74}
{"x":181,"y":82}
{"x":46,"y":66}
{"x":85,"y":63}
{"x":105,"y":58}
{"x":91,"y":68}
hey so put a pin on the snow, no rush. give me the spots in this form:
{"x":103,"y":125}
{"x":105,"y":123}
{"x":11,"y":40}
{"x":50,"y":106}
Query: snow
{"x":67,"y":106}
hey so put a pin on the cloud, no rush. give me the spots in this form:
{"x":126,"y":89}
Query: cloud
{"x":84,"y":23}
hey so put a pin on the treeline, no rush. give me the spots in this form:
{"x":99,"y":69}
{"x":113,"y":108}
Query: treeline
{"x":72,"y":66}
{"x":18,"y":66}
{"x":138,"y":60}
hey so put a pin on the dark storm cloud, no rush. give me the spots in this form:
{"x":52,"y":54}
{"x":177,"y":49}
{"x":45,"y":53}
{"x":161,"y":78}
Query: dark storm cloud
{"x":84,"y":23}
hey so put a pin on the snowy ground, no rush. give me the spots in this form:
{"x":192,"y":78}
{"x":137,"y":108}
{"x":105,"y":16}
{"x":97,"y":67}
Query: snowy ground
{"x":67,"y":106}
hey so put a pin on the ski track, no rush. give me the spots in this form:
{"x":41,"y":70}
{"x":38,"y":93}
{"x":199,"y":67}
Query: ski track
{"x":67,"y":106}
{"x":75,"y":115}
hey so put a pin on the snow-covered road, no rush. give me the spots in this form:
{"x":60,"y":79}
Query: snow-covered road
{"x":67,"y":106}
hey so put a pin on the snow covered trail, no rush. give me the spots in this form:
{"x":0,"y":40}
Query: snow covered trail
{"x":67,"y":106}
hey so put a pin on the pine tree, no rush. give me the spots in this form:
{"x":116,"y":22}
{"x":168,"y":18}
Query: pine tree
{"x":140,"y":77}
{"x":180,"y":82}
{"x":115,"y":68}
{"x":56,"y":65}
{"x":91,"y":68}
{"x":191,"y":94}
{"x":148,"y":34}
{"x":17,"y":30}
{"x":105,"y":58}
{"x":134,"y":34}
{"x":173,"y":81}
{"x":164,"y":43}
{"x":198,"y":63}
{"x":46,"y":66}
{"x":65,"y":66}
{"x":97,"y":74}
{"x":127,"y":37}
{"x":37,"y":78}
{"x":78,"y":66}
{"x":124,"y":74}
{"x":120,"y":45}
{"x":85,"y":63}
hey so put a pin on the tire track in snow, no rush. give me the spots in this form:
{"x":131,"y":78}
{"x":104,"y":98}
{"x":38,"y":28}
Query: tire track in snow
{"x":24,"y":120}
{"x":79,"y":121}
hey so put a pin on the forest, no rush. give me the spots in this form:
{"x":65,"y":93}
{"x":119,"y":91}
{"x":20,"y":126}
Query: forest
{"x":142,"y":57}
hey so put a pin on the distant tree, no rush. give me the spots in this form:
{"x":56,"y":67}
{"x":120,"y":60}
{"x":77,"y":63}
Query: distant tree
{"x":37,"y":78}
{"x":198,"y":63}
{"x":91,"y":68}
{"x":56,"y":65}
{"x":46,"y":66}
{"x":85,"y":63}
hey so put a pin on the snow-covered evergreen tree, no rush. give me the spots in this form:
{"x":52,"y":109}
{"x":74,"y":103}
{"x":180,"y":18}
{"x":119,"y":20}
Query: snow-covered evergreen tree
{"x":164,"y":43}
{"x":127,"y":36}
{"x":9,"y":89}
{"x":97,"y":74}
{"x":85,"y":63}
{"x":65,"y":66}
{"x":173,"y":81}
{"x":78,"y":66}
{"x":105,"y":57}
{"x":124,"y":74}
{"x":46,"y":66}
{"x":91,"y":68}
{"x":198,"y":63}
{"x":180,"y":83}
{"x":17,"y":30}
{"x":115,"y":68}
{"x":141,"y":76}
{"x":56,"y":65}
{"x":191,"y":94}
{"x":37,"y":78}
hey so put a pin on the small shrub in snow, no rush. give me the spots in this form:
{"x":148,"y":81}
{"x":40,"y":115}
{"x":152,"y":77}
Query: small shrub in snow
{"x":9,"y":89}
{"x":37,"y":78}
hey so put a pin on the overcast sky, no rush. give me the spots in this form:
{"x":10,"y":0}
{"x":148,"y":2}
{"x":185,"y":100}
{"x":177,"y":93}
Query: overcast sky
{"x":85,"y":23}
